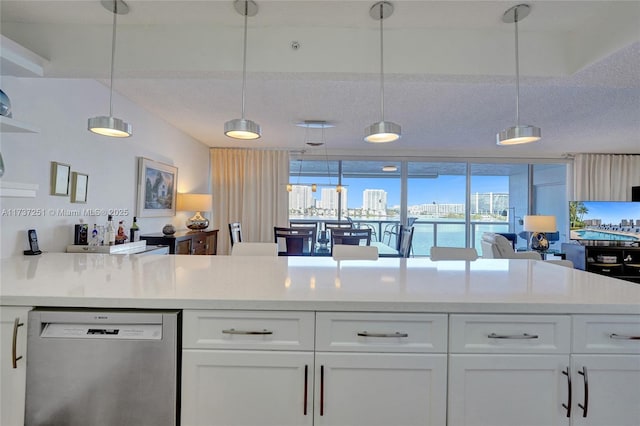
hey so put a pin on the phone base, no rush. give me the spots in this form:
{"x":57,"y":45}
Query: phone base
{"x":31,"y":252}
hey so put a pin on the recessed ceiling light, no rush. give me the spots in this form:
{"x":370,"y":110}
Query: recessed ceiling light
{"x":389,"y":168}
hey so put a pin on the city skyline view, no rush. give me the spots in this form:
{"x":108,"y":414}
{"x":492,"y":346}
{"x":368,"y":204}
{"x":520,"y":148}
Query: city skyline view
{"x":441,"y":190}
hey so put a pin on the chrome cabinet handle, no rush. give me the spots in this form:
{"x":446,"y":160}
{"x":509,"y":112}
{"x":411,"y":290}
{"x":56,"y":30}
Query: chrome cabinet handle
{"x":322,"y":390}
{"x":396,"y":334}
{"x":247,"y":332}
{"x":567,"y":406}
{"x":14,"y":345}
{"x":623,"y":337}
{"x":523,"y":336}
{"x":306,"y":384}
{"x":585,"y":407}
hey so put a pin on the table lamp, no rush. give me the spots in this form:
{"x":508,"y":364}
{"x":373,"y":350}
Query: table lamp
{"x":538,"y":225}
{"x":195,"y":203}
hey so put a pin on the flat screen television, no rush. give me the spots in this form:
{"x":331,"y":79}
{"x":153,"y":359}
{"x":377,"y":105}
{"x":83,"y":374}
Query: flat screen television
{"x":615,"y":221}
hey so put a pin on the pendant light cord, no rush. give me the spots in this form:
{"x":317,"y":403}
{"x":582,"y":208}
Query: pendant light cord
{"x":381,"y":63}
{"x":515,"y":17}
{"x":244,"y":57}
{"x":113,"y":55}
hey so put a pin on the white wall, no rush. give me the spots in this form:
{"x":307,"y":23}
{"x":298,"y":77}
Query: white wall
{"x":60,"y":108}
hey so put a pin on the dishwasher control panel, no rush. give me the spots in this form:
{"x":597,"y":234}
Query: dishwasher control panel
{"x":95,"y":331}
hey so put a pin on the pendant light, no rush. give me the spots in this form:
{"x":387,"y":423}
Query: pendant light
{"x":382,"y":131}
{"x":240,"y":128}
{"x":517,"y":134}
{"x":110,"y":125}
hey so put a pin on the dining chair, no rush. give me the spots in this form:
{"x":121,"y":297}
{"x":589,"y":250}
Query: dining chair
{"x":235,"y":233}
{"x":352,"y":237}
{"x":348,"y":252}
{"x":254,"y":249}
{"x":453,"y":253}
{"x":297,"y":241}
{"x":406,"y":239}
{"x":337,"y":224}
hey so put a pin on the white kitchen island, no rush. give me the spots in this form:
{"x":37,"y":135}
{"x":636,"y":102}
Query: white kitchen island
{"x":308,"y":340}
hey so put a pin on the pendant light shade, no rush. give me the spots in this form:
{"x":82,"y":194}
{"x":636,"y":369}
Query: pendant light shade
{"x":517,"y":134}
{"x":110,"y":125}
{"x":382,"y":131}
{"x":241,"y":128}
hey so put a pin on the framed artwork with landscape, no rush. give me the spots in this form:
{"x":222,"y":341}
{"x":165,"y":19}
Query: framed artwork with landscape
{"x":157,"y":184}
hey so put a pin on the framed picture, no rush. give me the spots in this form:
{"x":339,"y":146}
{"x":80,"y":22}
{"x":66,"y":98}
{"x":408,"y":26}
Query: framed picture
{"x":157,"y":184}
{"x":60,"y":173}
{"x":79,"y":187}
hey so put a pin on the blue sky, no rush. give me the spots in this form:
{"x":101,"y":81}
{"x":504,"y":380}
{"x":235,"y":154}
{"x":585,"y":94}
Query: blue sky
{"x":612,"y":211}
{"x":444,"y":189}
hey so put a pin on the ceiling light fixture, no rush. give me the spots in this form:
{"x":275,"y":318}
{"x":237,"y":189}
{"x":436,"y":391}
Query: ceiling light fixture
{"x":382,"y":131}
{"x":517,"y":134}
{"x":241,"y":128}
{"x":314,"y":124}
{"x":110,"y":125}
{"x":390,"y":168}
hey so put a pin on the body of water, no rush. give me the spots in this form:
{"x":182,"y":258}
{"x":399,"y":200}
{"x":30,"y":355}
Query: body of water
{"x":602,"y":236}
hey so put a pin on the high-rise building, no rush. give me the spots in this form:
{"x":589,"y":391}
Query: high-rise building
{"x":300,"y":198}
{"x":329,"y":198}
{"x":374,"y":200}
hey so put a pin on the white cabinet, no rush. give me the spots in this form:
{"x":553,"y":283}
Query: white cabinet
{"x":243,"y":388}
{"x":380,"y":369}
{"x":606,"y":370}
{"x":244,"y":368}
{"x":508,"y":370}
{"x":13,"y":356}
{"x":380,"y":389}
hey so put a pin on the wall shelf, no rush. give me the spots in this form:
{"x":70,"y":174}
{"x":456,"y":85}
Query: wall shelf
{"x":18,"y":61}
{"x":9,"y":125}
{"x":18,"y":190}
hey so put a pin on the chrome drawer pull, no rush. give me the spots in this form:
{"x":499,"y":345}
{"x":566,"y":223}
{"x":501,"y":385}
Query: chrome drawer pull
{"x":247,"y":332}
{"x":396,"y":334}
{"x":623,"y":337}
{"x":14,"y":349}
{"x":523,"y":336}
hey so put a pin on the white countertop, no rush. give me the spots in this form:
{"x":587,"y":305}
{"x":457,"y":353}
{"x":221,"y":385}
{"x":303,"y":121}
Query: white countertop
{"x":310,"y":283}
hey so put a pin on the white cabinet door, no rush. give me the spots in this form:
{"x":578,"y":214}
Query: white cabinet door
{"x":508,"y":390}
{"x":12,"y":390}
{"x":380,"y":389}
{"x":246,"y":388}
{"x":613,"y":388}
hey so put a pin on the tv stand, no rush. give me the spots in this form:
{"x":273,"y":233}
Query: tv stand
{"x":615,"y":261}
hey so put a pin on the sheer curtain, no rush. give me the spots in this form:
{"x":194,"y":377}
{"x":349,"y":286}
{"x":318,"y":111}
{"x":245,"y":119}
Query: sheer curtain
{"x":606,"y":177}
{"x":248,"y":186}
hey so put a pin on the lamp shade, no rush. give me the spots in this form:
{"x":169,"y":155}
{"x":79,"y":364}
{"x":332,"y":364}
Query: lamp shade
{"x":194,"y":202}
{"x":537,"y":223}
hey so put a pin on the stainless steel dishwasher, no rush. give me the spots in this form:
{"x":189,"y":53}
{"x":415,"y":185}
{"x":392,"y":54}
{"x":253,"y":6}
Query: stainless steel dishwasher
{"x":103,"y":368}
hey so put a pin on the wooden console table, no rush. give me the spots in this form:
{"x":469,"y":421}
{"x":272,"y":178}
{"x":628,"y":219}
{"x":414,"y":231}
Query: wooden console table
{"x":186,"y":242}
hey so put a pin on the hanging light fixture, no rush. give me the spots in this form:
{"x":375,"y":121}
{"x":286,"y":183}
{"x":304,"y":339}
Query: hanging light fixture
{"x":382,"y":131}
{"x":517,"y":134}
{"x":241,"y":128}
{"x":103,"y":125}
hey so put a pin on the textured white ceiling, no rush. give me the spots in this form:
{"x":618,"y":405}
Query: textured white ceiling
{"x":449,"y":70}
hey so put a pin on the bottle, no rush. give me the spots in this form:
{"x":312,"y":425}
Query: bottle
{"x":94,"y":240}
{"x":110,"y":237}
{"x":134,"y":231}
{"x":121,"y":236}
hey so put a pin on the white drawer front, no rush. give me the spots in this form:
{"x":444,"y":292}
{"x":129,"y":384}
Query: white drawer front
{"x":606,"y":334}
{"x":509,"y":334}
{"x":377,"y":332}
{"x":248,"y":330}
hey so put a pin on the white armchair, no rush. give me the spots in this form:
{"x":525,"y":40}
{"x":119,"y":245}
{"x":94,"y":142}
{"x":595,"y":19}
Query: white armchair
{"x":496,"y":246}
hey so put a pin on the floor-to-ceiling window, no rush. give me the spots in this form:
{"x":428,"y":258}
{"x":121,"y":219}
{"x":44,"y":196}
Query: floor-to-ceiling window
{"x":436,"y":204}
{"x":448,"y":203}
